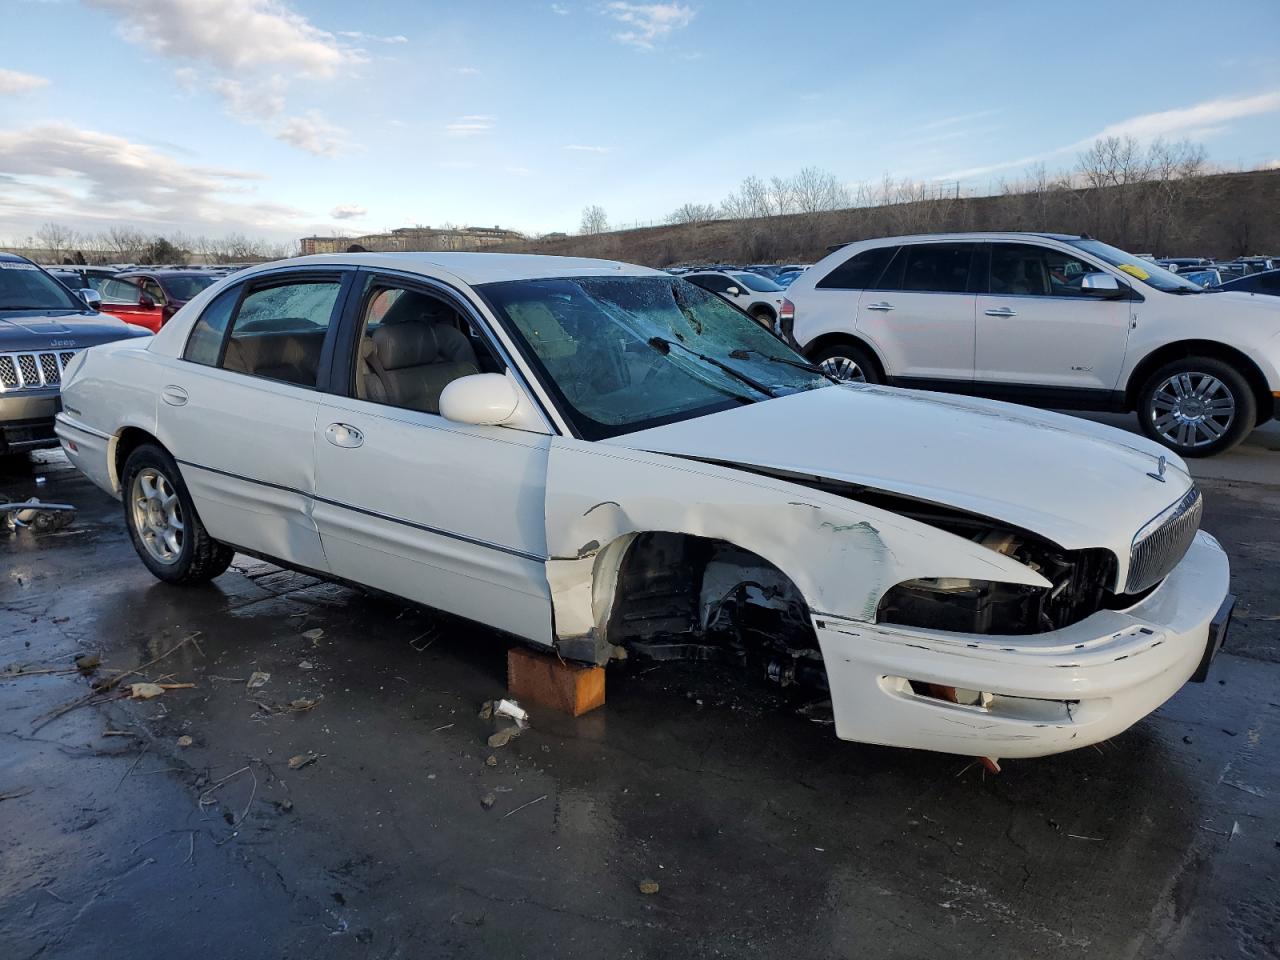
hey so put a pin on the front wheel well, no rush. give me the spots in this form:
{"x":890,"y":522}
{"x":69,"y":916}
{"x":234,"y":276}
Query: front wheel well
{"x":680,"y":596}
{"x":1201,"y":348}
{"x":813,"y":347}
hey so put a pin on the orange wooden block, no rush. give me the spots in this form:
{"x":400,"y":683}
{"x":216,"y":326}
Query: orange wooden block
{"x":547,"y":680}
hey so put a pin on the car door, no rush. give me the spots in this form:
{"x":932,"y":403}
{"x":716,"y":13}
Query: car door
{"x":238,"y":411}
{"x":920,"y":314}
{"x":446,"y":514}
{"x":125,"y":299}
{"x":1039,"y":327}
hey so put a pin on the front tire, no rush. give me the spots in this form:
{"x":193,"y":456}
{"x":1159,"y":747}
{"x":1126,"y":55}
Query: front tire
{"x":849,"y":362}
{"x":1197,"y":406}
{"x":763,"y":317}
{"x":163,"y":524}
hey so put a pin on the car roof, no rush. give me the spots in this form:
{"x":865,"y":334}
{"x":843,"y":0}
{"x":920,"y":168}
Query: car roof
{"x":476,"y":268}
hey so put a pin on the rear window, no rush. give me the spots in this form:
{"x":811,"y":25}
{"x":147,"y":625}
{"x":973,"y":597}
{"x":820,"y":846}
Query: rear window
{"x":859,"y":272}
{"x":929,"y":268}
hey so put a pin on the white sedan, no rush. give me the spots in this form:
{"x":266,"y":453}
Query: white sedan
{"x":593,"y":456}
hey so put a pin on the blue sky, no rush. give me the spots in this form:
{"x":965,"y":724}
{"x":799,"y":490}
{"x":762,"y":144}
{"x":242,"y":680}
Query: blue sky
{"x":284,"y":118}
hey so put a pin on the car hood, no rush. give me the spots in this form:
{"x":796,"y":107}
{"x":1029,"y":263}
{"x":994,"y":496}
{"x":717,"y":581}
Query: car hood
{"x":38,"y":331}
{"x":1080,"y":484}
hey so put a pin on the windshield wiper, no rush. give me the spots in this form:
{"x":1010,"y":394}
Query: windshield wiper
{"x":663,"y":345}
{"x":743,"y":353}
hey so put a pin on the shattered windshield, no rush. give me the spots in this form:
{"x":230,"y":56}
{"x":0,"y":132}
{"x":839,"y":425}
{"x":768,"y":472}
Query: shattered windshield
{"x":625,"y":353}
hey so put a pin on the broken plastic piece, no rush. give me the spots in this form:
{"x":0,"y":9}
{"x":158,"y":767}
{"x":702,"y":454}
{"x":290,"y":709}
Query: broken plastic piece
{"x":510,"y":708}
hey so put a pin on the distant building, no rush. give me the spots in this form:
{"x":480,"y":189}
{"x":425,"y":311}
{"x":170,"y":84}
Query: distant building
{"x":415,"y":238}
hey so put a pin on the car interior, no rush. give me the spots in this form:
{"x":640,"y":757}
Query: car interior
{"x":411,"y":347}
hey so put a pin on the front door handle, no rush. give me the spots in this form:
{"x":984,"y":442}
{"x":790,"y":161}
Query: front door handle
{"x":882,"y":305}
{"x":1001,"y":312}
{"x":173,"y":395}
{"x":343,"y":435}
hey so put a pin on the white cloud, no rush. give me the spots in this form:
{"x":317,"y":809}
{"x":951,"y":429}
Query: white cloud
{"x":585,"y":148}
{"x":560,"y":8}
{"x":372,"y":37}
{"x":348,"y":211}
{"x":648,"y":23}
{"x":470,"y":126}
{"x":256,"y":103}
{"x":12,"y":81}
{"x":1201,"y":119}
{"x":88,"y":179}
{"x":313,"y":133}
{"x":232,"y":35}
{"x":954,"y":119}
{"x":466,"y":71}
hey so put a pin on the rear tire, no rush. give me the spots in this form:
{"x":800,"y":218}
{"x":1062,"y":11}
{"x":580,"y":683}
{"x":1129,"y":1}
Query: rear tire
{"x":163,"y":524}
{"x":848,"y":362}
{"x":1197,"y":406}
{"x":763,"y":317}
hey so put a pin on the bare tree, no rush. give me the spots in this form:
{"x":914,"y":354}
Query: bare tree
{"x":594,"y":220}
{"x":56,"y":239}
{"x":693,"y":213}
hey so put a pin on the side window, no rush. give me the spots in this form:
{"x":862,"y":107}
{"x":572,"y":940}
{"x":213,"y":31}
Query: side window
{"x":205,"y":340}
{"x":412,"y":345}
{"x":117,"y":291}
{"x":278,"y":332}
{"x":711,"y":282}
{"x":1020,"y":269}
{"x":935,"y":267}
{"x":1269,"y":282}
{"x":859,"y":272}
{"x":153,"y":290}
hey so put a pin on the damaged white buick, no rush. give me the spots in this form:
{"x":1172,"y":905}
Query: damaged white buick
{"x":597,"y":457}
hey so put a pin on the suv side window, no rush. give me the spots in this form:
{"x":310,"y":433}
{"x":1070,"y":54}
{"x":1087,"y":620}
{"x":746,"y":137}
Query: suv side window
{"x":712,"y":282}
{"x":279,"y":331}
{"x":930,"y":268}
{"x":859,"y":272}
{"x":1021,"y":269}
{"x":116,"y":291}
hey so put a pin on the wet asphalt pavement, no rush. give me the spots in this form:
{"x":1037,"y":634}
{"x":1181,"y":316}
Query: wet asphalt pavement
{"x":765,"y":835}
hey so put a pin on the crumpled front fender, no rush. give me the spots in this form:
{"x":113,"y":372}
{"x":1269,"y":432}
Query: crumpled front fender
{"x":841,"y":555}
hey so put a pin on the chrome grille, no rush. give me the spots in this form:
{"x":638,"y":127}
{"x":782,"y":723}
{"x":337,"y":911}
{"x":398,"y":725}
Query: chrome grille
{"x":33,"y":370}
{"x":1163,"y":542}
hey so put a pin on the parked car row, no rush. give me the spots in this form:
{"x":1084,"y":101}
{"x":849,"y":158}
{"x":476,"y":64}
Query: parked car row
{"x":147,"y":298}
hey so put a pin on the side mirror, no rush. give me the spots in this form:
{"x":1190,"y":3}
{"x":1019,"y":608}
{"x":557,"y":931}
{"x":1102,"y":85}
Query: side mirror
{"x":92,"y":298}
{"x":1102,"y":285}
{"x":480,"y":399}
{"x":733,"y":291}
{"x":145,"y":300}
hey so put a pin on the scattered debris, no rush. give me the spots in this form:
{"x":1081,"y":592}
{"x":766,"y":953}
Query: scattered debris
{"x":145,"y":691}
{"x":302,"y":704}
{"x":509,"y":708}
{"x":15,"y":794}
{"x":258,"y":678}
{"x":501,"y":738}
{"x":488,"y":800}
{"x":88,"y":662}
{"x":523,"y":805}
{"x":118,"y":733}
{"x":443,"y":726}
{"x":1244,"y":787}
{"x":1076,"y":836}
{"x":284,"y":805}
{"x":306,"y":665}
{"x":491,"y":761}
{"x":36,"y":514}
{"x":648,"y":887}
{"x":302,"y":760}
{"x":486,"y":711}
{"x":185,"y":741}
{"x":313,"y":635}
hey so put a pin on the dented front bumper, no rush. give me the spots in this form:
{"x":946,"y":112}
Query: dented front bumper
{"x":1046,"y":693}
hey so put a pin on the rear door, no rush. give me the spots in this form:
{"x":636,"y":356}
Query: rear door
{"x":920,"y":315}
{"x":1038,"y":327}
{"x":238,"y":413}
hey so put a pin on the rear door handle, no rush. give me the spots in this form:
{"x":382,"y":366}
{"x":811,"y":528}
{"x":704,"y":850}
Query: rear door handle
{"x":1000,"y":312}
{"x":343,"y":435}
{"x":174,"y":395}
{"x":882,"y":305}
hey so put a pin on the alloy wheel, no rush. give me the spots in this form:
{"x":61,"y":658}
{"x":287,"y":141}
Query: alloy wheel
{"x":1192,"y":409}
{"x":157,"y":515}
{"x":844,"y":368}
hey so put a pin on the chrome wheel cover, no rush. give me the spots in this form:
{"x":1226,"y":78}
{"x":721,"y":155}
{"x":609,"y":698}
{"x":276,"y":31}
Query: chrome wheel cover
{"x":844,"y":368}
{"x":1192,"y":409}
{"x":157,"y":515}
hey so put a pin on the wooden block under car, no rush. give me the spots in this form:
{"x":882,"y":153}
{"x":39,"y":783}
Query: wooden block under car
{"x":547,"y":680}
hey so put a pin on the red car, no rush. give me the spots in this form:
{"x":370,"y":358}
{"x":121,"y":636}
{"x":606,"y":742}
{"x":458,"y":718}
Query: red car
{"x":148,"y":298}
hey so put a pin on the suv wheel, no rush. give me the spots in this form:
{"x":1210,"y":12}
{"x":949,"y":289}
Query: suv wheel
{"x":764,"y":317}
{"x":163,"y":524}
{"x":1197,"y":406}
{"x":849,"y":362}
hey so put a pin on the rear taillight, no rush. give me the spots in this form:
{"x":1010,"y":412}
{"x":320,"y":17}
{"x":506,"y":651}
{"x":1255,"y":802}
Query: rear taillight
{"x":787,"y":320}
